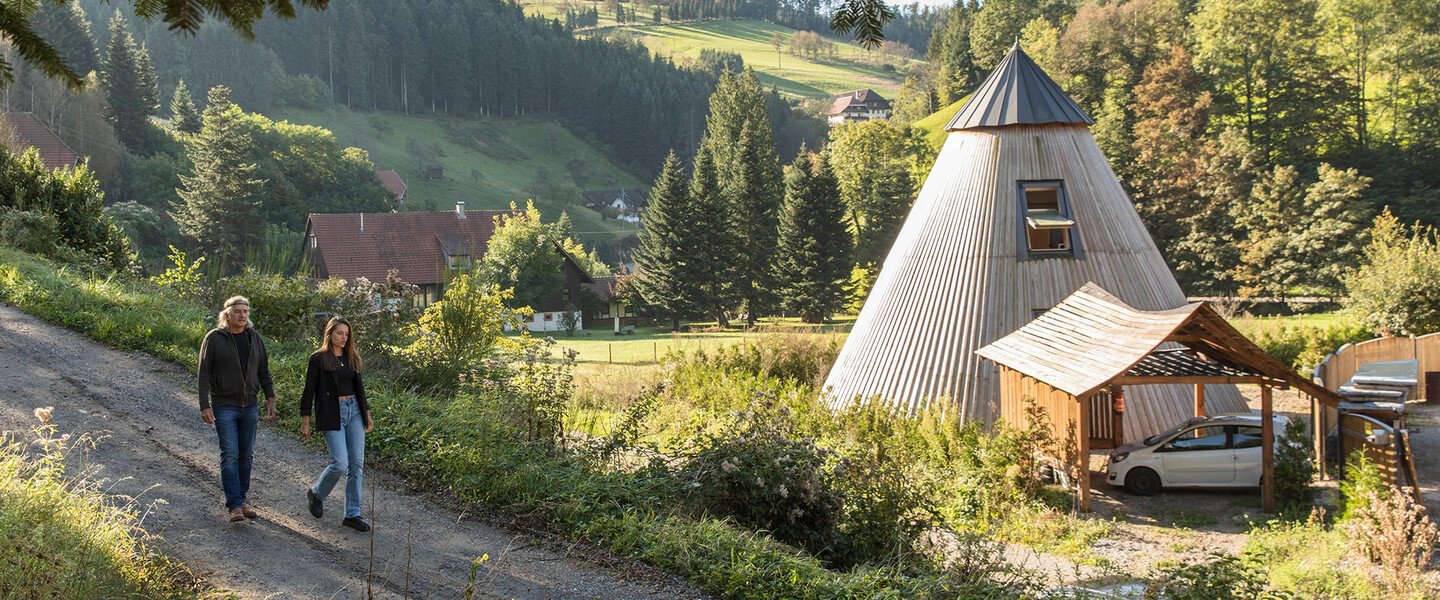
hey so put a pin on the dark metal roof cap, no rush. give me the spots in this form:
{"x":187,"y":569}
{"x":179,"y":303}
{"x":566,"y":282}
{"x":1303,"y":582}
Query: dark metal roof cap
{"x":1017,"y":92}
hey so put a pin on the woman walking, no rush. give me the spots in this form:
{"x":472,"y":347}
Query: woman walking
{"x":334,"y":388}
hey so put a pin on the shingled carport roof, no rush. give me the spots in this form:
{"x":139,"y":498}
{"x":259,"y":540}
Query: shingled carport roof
{"x":1092,"y":339}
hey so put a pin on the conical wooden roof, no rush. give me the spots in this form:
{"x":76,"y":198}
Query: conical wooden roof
{"x":957,"y":277}
{"x":1017,"y":92}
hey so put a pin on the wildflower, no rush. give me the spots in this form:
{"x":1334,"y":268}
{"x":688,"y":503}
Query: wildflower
{"x":462,"y":377}
{"x":784,"y":493}
{"x":759,"y":482}
{"x":549,"y":340}
{"x":489,"y":383}
{"x":44,"y":413}
{"x":728,"y":467}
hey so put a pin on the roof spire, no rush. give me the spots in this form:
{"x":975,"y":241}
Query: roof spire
{"x":1017,"y":92}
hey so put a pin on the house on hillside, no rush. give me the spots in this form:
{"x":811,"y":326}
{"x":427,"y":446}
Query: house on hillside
{"x":1021,"y":210}
{"x":390,"y":180}
{"x":428,"y":249}
{"x":857,"y":107}
{"x":24,"y":130}
{"x":629,"y":203}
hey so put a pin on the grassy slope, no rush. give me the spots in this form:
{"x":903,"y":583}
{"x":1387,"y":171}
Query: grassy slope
{"x":934,"y":125}
{"x":501,"y":182}
{"x":853,"y":67}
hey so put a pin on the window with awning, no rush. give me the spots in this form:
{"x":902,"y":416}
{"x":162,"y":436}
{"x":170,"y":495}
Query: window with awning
{"x":1047,"y":223}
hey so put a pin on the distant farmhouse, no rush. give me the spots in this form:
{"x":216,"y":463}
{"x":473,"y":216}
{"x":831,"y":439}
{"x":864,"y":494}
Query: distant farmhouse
{"x":24,"y":130}
{"x":428,"y":249}
{"x":390,"y":180}
{"x":630,"y":203}
{"x":857,"y":107}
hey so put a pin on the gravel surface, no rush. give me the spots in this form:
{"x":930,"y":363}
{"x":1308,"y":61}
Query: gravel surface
{"x":151,"y":446}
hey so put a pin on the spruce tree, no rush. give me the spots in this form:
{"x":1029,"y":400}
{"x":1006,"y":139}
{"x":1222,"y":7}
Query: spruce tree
{"x":563,"y":227}
{"x":183,"y":115}
{"x":219,"y":203}
{"x":753,"y":209}
{"x":67,"y":29}
{"x":667,"y":280}
{"x":714,"y":256}
{"x":127,"y":80}
{"x":814,"y":246}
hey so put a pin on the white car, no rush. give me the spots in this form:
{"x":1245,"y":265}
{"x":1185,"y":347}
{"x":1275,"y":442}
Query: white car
{"x":1218,"y":451}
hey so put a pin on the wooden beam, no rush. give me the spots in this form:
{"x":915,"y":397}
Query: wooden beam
{"x":1188,"y":379}
{"x":1084,"y":459}
{"x":1267,"y":449}
{"x":1199,"y":399}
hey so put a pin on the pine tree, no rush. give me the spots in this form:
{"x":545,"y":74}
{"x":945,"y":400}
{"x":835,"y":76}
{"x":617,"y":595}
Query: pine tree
{"x":67,"y":29}
{"x":219,"y":203}
{"x":127,"y":80}
{"x":814,"y":244}
{"x":564,"y":227}
{"x":183,"y":116}
{"x":667,"y":280}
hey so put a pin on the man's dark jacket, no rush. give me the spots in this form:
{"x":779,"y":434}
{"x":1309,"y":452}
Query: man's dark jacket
{"x":321,"y":392}
{"x":219,"y":378}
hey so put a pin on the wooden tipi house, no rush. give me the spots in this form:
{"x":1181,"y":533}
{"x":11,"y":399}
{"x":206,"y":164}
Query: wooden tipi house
{"x":1020,"y":210}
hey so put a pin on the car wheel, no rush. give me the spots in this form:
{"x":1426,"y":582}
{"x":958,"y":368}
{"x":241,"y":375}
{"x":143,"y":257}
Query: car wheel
{"x":1142,"y":482}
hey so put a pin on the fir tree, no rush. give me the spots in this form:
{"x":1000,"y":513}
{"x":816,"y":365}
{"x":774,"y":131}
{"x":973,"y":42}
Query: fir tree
{"x":219,"y":203}
{"x":68,"y":30}
{"x":667,"y":281}
{"x":814,"y":244}
{"x":753,"y":210}
{"x":714,"y":256}
{"x":564,"y":228}
{"x":183,"y":115}
{"x":127,"y":80}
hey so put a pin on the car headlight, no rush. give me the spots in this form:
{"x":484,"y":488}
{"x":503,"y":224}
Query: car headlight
{"x":1119,"y":456}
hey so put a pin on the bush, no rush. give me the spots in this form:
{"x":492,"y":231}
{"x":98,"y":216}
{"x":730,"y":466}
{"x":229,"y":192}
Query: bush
{"x":1226,"y":577}
{"x":383,"y":314}
{"x":183,"y":280}
{"x":1397,"y":288}
{"x":1395,"y":532}
{"x":55,"y":211}
{"x":1294,"y":471}
{"x":759,"y":472}
{"x":280,"y":306}
{"x":1303,"y":347}
{"x":526,"y":401}
{"x":29,"y":231}
{"x":463,"y":332}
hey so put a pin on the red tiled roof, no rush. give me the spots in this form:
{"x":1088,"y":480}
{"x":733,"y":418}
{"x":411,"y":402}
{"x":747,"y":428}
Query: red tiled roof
{"x":413,"y":242}
{"x":603,"y":286}
{"x":30,"y":132}
{"x":391,"y":180}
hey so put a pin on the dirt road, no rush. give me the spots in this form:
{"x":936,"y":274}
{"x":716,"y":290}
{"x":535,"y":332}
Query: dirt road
{"x":153,"y":447}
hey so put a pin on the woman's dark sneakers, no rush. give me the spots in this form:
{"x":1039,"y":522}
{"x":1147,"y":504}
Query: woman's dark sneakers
{"x":317,"y":506}
{"x":356,"y":523}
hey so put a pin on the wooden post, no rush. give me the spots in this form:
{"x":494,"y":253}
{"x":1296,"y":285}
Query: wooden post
{"x":1317,"y":425}
{"x":1083,"y":481}
{"x":1267,"y":449}
{"x":1199,"y":399}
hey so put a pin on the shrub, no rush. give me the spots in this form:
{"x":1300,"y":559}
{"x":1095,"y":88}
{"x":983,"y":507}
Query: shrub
{"x":383,"y":314}
{"x":1303,"y":347}
{"x":1395,"y":532}
{"x":1362,"y":482}
{"x":798,"y":357}
{"x":1226,"y":577}
{"x":759,"y":472}
{"x":183,"y":280}
{"x":280,"y":306}
{"x":72,"y":197}
{"x":1294,"y":471}
{"x":1397,"y":288}
{"x":462,"y":332}
{"x":527,"y":400}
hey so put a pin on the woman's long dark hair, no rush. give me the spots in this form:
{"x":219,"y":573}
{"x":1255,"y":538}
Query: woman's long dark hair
{"x":327,"y":353}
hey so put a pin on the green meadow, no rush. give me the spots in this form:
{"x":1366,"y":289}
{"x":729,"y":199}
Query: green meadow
{"x":488,"y":172}
{"x":852,"y":67}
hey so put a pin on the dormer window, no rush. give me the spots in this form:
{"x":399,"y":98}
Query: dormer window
{"x":1047,"y":225}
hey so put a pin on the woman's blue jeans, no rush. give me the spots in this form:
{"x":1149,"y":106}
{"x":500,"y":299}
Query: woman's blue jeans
{"x":347,"y":457}
{"x":235,"y":427}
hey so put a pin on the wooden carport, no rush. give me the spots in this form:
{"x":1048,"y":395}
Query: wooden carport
{"x":1093,"y":343}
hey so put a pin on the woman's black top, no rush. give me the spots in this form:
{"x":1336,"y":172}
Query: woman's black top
{"x":322,"y":392}
{"x":345,"y":378}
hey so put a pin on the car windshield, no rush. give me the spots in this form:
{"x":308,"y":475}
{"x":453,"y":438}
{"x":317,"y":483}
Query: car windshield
{"x":1162,"y":436}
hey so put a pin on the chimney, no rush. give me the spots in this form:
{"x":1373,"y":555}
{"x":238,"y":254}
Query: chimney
{"x":362,"y":222}
{"x":459,"y":209}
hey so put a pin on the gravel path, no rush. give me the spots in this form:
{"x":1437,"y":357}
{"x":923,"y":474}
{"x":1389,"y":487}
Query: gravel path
{"x":151,"y":446}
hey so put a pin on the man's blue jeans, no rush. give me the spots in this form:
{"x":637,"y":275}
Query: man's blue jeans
{"x":347,"y":457}
{"x":235,"y":426}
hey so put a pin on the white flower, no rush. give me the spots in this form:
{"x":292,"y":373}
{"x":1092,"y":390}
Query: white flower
{"x":759,"y":482}
{"x":727,"y":467}
{"x":784,"y":493}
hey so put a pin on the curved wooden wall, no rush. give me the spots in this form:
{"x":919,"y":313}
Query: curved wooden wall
{"x":952,"y":282}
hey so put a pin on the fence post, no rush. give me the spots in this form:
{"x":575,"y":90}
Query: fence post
{"x":611,"y":346}
{"x":655,"y":351}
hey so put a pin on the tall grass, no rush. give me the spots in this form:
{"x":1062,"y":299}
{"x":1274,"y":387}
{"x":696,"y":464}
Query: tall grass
{"x":64,"y":538}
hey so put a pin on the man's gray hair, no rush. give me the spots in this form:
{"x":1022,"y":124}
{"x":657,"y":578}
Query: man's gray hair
{"x":223,"y":320}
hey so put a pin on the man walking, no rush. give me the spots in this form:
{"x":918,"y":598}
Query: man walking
{"x":233,"y":369}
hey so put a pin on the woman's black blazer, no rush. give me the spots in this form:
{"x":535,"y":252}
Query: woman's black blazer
{"x":320,"y":391}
